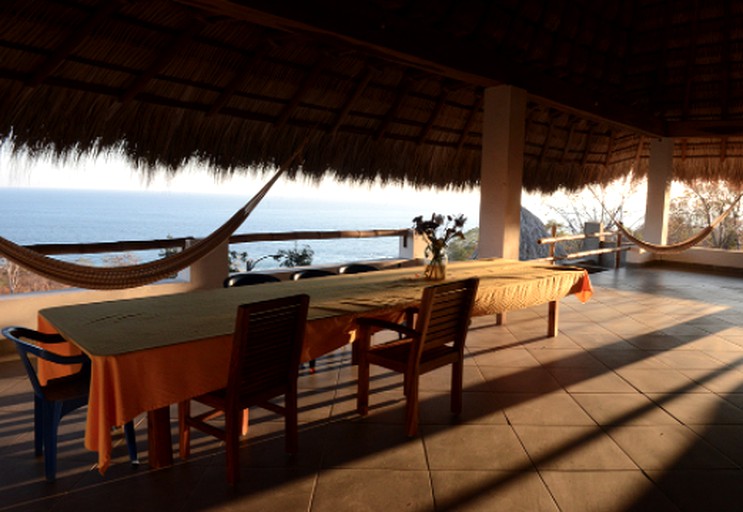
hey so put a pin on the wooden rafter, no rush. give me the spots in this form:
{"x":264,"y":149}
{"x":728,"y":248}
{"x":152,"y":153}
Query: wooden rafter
{"x":309,"y":81}
{"x":74,"y":40}
{"x":403,"y":88}
{"x":587,"y":146}
{"x":545,"y":146}
{"x":726,"y":64}
{"x":638,"y":153}
{"x":237,"y":81}
{"x":569,"y":140}
{"x":610,"y":147}
{"x":476,"y":107}
{"x":162,"y":59}
{"x":435,"y":111}
{"x":358,"y":90}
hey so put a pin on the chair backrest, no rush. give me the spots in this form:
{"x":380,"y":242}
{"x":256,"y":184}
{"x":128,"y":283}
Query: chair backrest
{"x":267,"y":347}
{"x":310,"y":273}
{"x":445,"y":315}
{"x":357,"y":268}
{"x":248,"y":279}
{"x":24,"y":339}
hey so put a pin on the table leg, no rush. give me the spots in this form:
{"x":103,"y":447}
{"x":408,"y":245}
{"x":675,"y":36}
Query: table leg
{"x":552,"y":328}
{"x":500,"y":318}
{"x":159,"y":442}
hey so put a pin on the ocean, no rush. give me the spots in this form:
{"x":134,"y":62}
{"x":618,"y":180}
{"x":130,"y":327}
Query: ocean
{"x":31,"y":215}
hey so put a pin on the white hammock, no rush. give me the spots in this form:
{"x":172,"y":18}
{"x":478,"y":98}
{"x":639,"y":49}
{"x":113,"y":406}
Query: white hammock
{"x":680,"y":246}
{"x":130,"y":276}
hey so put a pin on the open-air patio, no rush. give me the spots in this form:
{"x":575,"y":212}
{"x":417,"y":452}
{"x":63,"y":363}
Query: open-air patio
{"x":636,"y":405}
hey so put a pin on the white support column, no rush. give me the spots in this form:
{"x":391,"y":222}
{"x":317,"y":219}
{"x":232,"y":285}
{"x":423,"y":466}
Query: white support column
{"x":501,"y":171}
{"x":659,"y":187}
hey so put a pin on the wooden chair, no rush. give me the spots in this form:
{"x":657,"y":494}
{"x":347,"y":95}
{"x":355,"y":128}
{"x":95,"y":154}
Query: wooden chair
{"x":264,"y":364}
{"x":59,"y":396}
{"x":436,"y":340}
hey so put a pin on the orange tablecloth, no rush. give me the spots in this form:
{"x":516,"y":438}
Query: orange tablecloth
{"x":151,"y":352}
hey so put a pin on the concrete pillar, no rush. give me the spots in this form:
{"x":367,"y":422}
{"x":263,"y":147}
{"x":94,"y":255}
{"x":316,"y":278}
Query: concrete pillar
{"x":501,"y":171}
{"x":211,"y":270}
{"x":412,"y":246}
{"x":660,"y":176}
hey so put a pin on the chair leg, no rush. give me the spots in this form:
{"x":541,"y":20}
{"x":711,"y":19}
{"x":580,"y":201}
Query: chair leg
{"x":411,"y":406}
{"x":131,"y":442}
{"x":52,"y":414}
{"x":38,"y":427}
{"x":291,"y":421}
{"x":362,"y":391}
{"x":457,"y":375}
{"x":233,"y":425}
{"x":184,"y":431}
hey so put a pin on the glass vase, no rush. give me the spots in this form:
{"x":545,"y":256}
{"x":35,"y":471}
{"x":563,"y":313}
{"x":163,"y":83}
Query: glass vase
{"x":436,"y":267}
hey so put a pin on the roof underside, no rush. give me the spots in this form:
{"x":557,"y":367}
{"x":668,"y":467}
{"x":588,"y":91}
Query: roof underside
{"x":389,"y":89}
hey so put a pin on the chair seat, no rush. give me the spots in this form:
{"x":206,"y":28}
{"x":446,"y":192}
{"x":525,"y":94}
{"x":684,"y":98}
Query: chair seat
{"x":396,"y":353}
{"x":71,"y":387}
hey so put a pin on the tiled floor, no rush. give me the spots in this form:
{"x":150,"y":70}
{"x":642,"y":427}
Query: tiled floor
{"x":637,"y":405}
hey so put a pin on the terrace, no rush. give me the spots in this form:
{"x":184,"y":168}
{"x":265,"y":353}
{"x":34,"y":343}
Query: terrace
{"x":636,"y":405}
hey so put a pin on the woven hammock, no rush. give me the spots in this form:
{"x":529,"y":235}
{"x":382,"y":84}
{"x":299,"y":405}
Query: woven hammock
{"x":131,"y":276}
{"x":680,"y":246}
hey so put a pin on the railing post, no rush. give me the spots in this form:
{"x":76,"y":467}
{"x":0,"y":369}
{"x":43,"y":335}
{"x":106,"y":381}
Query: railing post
{"x":618,"y":254}
{"x":553,"y":244}
{"x":412,"y":246}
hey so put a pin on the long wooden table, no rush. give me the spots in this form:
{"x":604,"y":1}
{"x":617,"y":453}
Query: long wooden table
{"x":152,"y":352}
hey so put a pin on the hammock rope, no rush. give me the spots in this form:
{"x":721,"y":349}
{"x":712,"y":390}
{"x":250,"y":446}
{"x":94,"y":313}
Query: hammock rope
{"x":131,"y":276}
{"x":679,"y":246}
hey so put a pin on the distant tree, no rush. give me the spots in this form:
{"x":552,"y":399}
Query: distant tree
{"x":698,"y":206}
{"x":295,"y":257}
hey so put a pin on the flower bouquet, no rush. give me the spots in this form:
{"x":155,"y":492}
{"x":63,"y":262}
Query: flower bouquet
{"x":438,"y":231}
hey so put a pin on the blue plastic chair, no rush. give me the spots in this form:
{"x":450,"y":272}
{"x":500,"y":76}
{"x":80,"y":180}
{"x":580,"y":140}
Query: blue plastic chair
{"x":57,"y":397}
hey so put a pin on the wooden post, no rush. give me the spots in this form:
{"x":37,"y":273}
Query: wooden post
{"x":552,"y":327}
{"x":553,"y":244}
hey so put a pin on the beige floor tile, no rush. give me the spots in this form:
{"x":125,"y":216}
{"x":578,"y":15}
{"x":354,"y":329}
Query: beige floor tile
{"x":700,"y":408}
{"x":486,"y":491}
{"x":701,"y":491}
{"x":723,"y":381}
{"x":606,"y":491}
{"x":519,"y":380}
{"x":623,"y":409}
{"x":483,"y":408}
{"x":668,"y":447}
{"x":516,"y":357}
{"x":690,"y":360}
{"x":572,"y":448}
{"x":371,"y":490}
{"x":658,"y":380}
{"x":474,"y":447}
{"x":728,"y":439}
{"x":371,"y":446}
{"x":591,"y":380}
{"x":556,"y":408}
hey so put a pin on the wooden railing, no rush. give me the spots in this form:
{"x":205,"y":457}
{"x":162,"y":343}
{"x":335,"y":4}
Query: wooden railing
{"x":180,"y":243}
{"x":601,"y":235}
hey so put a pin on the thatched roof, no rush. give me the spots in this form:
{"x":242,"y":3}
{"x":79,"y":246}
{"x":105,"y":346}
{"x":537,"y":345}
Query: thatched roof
{"x":389,"y":89}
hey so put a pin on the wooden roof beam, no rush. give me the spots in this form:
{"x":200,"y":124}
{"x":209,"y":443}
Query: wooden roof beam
{"x":476,"y":107}
{"x":162,"y":59}
{"x":417,"y":46}
{"x":358,"y":90}
{"x":402,"y":90}
{"x":237,"y":81}
{"x":76,"y":37}
{"x":306,"y":85}
{"x":435,"y":111}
